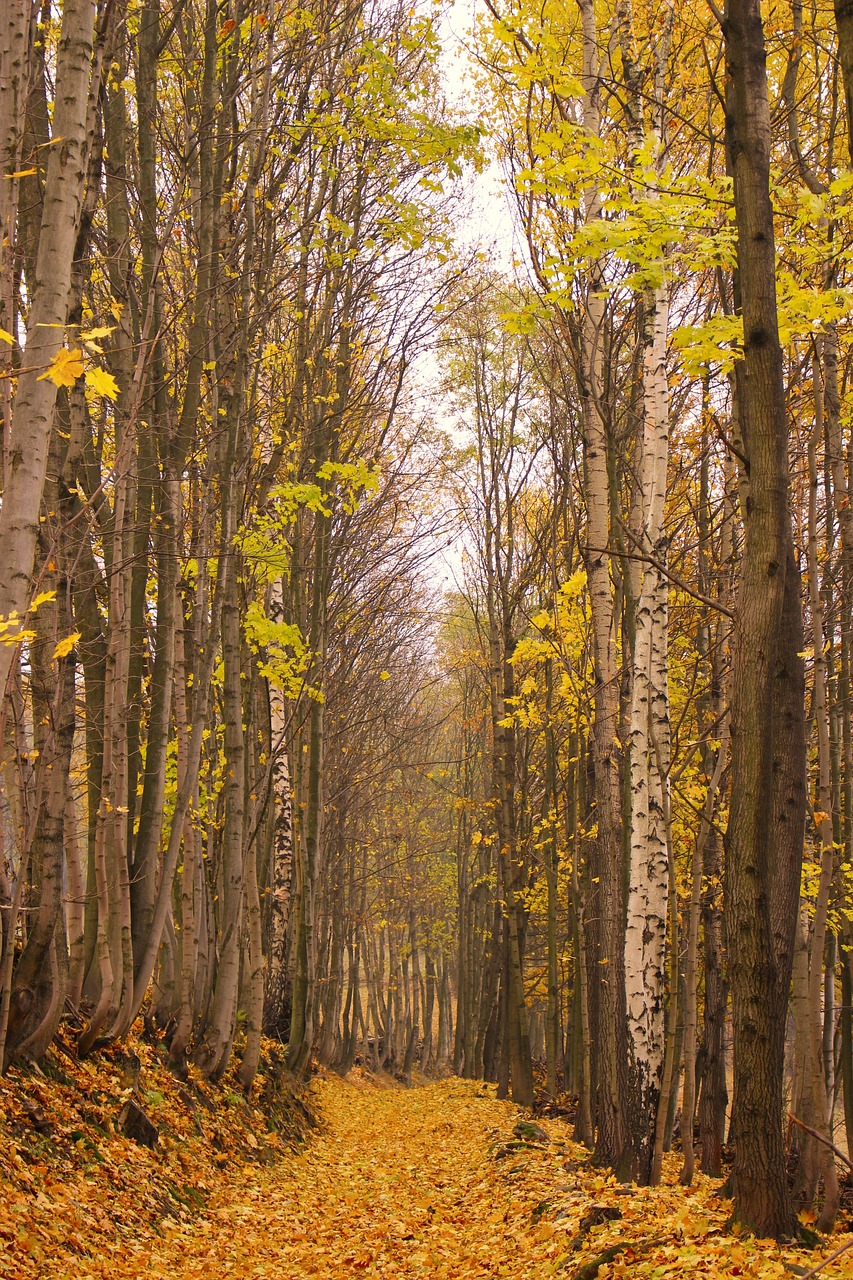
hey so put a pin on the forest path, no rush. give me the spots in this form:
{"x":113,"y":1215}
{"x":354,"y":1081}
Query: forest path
{"x":401,"y":1184}
{"x":398,"y":1183}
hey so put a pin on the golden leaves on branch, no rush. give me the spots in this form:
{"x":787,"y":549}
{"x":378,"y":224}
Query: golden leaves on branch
{"x":102,"y":383}
{"x":68,"y":365}
{"x":65,"y":646}
{"x":65,"y":368}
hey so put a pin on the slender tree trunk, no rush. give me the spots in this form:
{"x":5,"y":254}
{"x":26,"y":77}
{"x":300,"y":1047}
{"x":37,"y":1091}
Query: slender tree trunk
{"x":15,"y":59}
{"x":215,"y":1049}
{"x":552,"y":1020}
{"x":645,"y":938}
{"x":812,"y":1103}
{"x":188,"y":935}
{"x":255,"y":977}
{"x":688,"y":1107}
{"x":847,"y":1039}
{"x":304,"y":983}
{"x":75,"y":901}
{"x":608,"y":963}
{"x":844,"y":28}
{"x":277,"y":1002}
{"x":43,"y":963}
{"x":112,"y":872}
{"x":713,"y":1095}
{"x":35,"y":397}
{"x":766,"y":823}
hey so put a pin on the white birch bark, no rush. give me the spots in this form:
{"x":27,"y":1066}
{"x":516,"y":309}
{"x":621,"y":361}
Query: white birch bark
{"x":281,"y":862}
{"x":649,"y":733}
{"x":645,"y":938}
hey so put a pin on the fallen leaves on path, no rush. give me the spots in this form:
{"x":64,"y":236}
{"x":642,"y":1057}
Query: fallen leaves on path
{"x":438,"y":1181}
{"x":75,"y":1192}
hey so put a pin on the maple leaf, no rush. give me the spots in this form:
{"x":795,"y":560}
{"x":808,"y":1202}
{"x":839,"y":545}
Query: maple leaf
{"x":65,"y":646}
{"x":102,"y":331}
{"x":101,"y":382}
{"x":65,"y":368}
{"x":44,"y":597}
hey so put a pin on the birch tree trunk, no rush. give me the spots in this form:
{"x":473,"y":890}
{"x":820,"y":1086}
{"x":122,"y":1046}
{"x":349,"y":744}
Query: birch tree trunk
{"x":277,"y":1003}
{"x":32,"y":412}
{"x":648,"y":727}
{"x":648,"y":885}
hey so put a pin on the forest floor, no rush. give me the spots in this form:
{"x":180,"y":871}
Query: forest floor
{"x":439,"y":1181}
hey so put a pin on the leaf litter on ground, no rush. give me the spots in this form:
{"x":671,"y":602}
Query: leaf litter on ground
{"x":443,"y":1181}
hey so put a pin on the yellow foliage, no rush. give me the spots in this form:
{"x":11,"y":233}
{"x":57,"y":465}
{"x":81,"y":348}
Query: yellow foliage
{"x":102,"y":382}
{"x":44,"y":597}
{"x":65,"y":646}
{"x":66,"y":367}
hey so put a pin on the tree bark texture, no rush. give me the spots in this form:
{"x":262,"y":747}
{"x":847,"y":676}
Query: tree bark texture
{"x":607,"y":961}
{"x":648,"y":885}
{"x":276,"y":1006}
{"x":766,"y":823}
{"x":32,"y":413}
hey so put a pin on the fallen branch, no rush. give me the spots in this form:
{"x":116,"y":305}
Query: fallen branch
{"x":820,"y":1137}
{"x":820,"y":1266}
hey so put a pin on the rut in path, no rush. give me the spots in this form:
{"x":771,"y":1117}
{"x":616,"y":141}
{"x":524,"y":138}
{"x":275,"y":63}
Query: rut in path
{"x":399,"y":1183}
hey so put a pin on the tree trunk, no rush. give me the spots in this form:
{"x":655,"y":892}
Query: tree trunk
{"x":608,"y":963}
{"x":40,"y":969}
{"x":648,"y":888}
{"x":844,"y":27}
{"x":812,"y":1103}
{"x":552,"y":1019}
{"x":766,"y":823}
{"x":24,"y":477}
{"x":15,"y":58}
{"x":212,"y":1055}
{"x":277,"y":1001}
{"x":255,"y":976}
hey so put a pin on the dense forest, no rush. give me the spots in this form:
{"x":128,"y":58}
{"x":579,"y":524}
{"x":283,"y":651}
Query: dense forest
{"x":420,"y":654}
